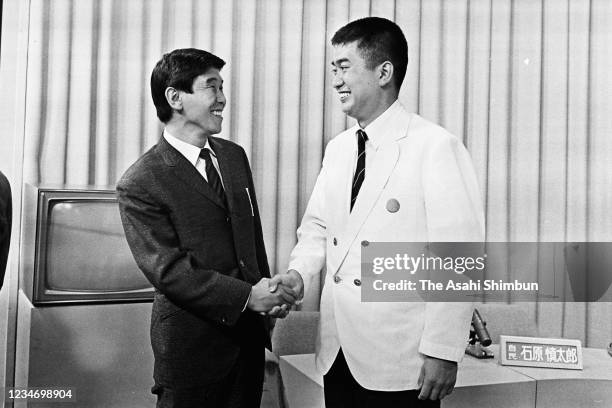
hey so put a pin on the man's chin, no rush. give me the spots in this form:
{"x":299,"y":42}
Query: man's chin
{"x":346,"y":108}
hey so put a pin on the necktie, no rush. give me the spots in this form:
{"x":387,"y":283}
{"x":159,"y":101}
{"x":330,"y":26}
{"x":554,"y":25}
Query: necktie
{"x":213,"y":177}
{"x":360,"y":169}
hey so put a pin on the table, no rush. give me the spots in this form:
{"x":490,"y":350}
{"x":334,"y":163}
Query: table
{"x":483,"y":383}
{"x":586,"y":388}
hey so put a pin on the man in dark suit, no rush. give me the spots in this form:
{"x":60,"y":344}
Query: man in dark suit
{"x":6,"y":213}
{"x":190,"y":216}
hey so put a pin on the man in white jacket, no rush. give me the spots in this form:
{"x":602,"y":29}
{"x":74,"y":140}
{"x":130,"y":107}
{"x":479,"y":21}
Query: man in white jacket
{"x":393,"y":177}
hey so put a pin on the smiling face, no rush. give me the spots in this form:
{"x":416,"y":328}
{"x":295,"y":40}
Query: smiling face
{"x":358,"y":86}
{"x":202,"y":109}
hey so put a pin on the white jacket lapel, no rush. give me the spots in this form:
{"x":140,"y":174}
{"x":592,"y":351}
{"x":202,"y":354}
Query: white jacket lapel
{"x":373,"y":184}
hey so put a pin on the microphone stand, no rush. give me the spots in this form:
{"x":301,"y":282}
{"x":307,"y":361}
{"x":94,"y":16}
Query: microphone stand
{"x":476,"y":349}
{"x":479,"y":338}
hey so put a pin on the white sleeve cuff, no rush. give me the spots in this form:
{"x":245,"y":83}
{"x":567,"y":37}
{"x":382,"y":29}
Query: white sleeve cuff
{"x":246,"y":303}
{"x":441,"y":351}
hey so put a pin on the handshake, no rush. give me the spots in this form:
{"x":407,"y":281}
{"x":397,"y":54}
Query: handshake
{"x":275,"y":296}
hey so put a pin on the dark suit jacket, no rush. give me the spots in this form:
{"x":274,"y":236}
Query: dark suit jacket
{"x":6,"y":213}
{"x":201,"y":257}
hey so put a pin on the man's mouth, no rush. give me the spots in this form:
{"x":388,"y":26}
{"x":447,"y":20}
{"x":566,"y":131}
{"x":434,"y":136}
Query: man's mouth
{"x":217,"y":113}
{"x":343,"y":95}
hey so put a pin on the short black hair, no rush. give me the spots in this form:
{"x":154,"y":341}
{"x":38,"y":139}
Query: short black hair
{"x":378,"y":40}
{"x":178,"y":69}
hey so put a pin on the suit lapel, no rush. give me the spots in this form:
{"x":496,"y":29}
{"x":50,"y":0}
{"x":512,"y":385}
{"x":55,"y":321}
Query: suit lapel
{"x":231,"y":173}
{"x":376,"y":178}
{"x":225,"y":158}
{"x":186,"y":172}
{"x":341,"y":173}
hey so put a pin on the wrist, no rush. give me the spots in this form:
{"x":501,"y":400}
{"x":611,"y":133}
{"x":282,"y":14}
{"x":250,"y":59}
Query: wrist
{"x":295,"y":274}
{"x":299,"y":282}
{"x":252,"y":299}
{"x":248,"y":301}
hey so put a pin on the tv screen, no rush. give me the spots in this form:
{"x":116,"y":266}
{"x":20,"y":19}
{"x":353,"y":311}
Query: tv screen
{"x":86,"y":248}
{"x":78,"y":248}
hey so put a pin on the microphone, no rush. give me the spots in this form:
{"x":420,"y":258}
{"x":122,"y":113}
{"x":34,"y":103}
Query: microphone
{"x":479,"y":338}
{"x":480,"y":327}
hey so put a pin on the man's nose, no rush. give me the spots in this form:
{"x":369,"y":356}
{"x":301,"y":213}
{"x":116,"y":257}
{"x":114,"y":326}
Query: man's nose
{"x":337,"y":81}
{"x":221,"y":97}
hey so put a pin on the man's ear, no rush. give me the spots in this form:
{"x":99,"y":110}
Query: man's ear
{"x":385,"y":73}
{"x":174,"y":98}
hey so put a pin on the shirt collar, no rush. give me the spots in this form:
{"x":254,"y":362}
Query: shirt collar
{"x":189,"y":151}
{"x":384,"y":126}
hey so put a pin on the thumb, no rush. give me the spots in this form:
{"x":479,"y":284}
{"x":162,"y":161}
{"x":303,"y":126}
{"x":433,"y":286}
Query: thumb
{"x":273,"y":283}
{"x":421,"y":376}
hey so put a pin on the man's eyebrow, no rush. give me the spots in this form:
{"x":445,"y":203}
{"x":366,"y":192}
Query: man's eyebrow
{"x":213,"y":80}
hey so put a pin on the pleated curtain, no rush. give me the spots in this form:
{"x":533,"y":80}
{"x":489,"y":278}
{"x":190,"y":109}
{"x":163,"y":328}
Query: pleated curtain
{"x":525,"y":84}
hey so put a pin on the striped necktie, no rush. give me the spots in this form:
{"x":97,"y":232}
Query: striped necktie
{"x":213,"y":177}
{"x":360,"y":169}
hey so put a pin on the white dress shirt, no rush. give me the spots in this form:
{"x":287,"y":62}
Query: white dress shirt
{"x":384,"y":127}
{"x":192,"y":154}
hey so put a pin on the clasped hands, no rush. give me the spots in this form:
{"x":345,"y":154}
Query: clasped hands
{"x":275,"y":296}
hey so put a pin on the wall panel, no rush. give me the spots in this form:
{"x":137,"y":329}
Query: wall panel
{"x":524,"y":83}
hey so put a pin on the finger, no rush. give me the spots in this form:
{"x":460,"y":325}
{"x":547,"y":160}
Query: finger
{"x":283,"y":311}
{"x":275,"y":311}
{"x":286,"y":289}
{"x":435,"y":392}
{"x":294,"y":292}
{"x":286,"y":295}
{"x":448,"y":387}
{"x":291,"y":281}
{"x":421,"y":376}
{"x":282,"y":279}
{"x":298,"y":284}
{"x":425,"y":390}
{"x":300,"y":298}
{"x":285,"y":281}
{"x":273,"y":283}
{"x":298,"y":288}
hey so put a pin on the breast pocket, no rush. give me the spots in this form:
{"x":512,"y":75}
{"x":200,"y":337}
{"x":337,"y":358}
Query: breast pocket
{"x":243,"y":204}
{"x":248,"y":195}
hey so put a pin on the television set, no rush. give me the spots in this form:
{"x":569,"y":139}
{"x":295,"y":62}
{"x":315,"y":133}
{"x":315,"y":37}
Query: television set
{"x":74,"y":249}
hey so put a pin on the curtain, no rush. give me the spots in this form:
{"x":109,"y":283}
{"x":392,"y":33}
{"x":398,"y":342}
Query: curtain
{"x":524,"y":84}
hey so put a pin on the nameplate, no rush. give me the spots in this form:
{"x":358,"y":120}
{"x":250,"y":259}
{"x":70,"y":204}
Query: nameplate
{"x":540,"y":352}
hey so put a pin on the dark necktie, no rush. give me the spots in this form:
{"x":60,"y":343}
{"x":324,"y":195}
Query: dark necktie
{"x":360,"y":169}
{"x":213,"y":177}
